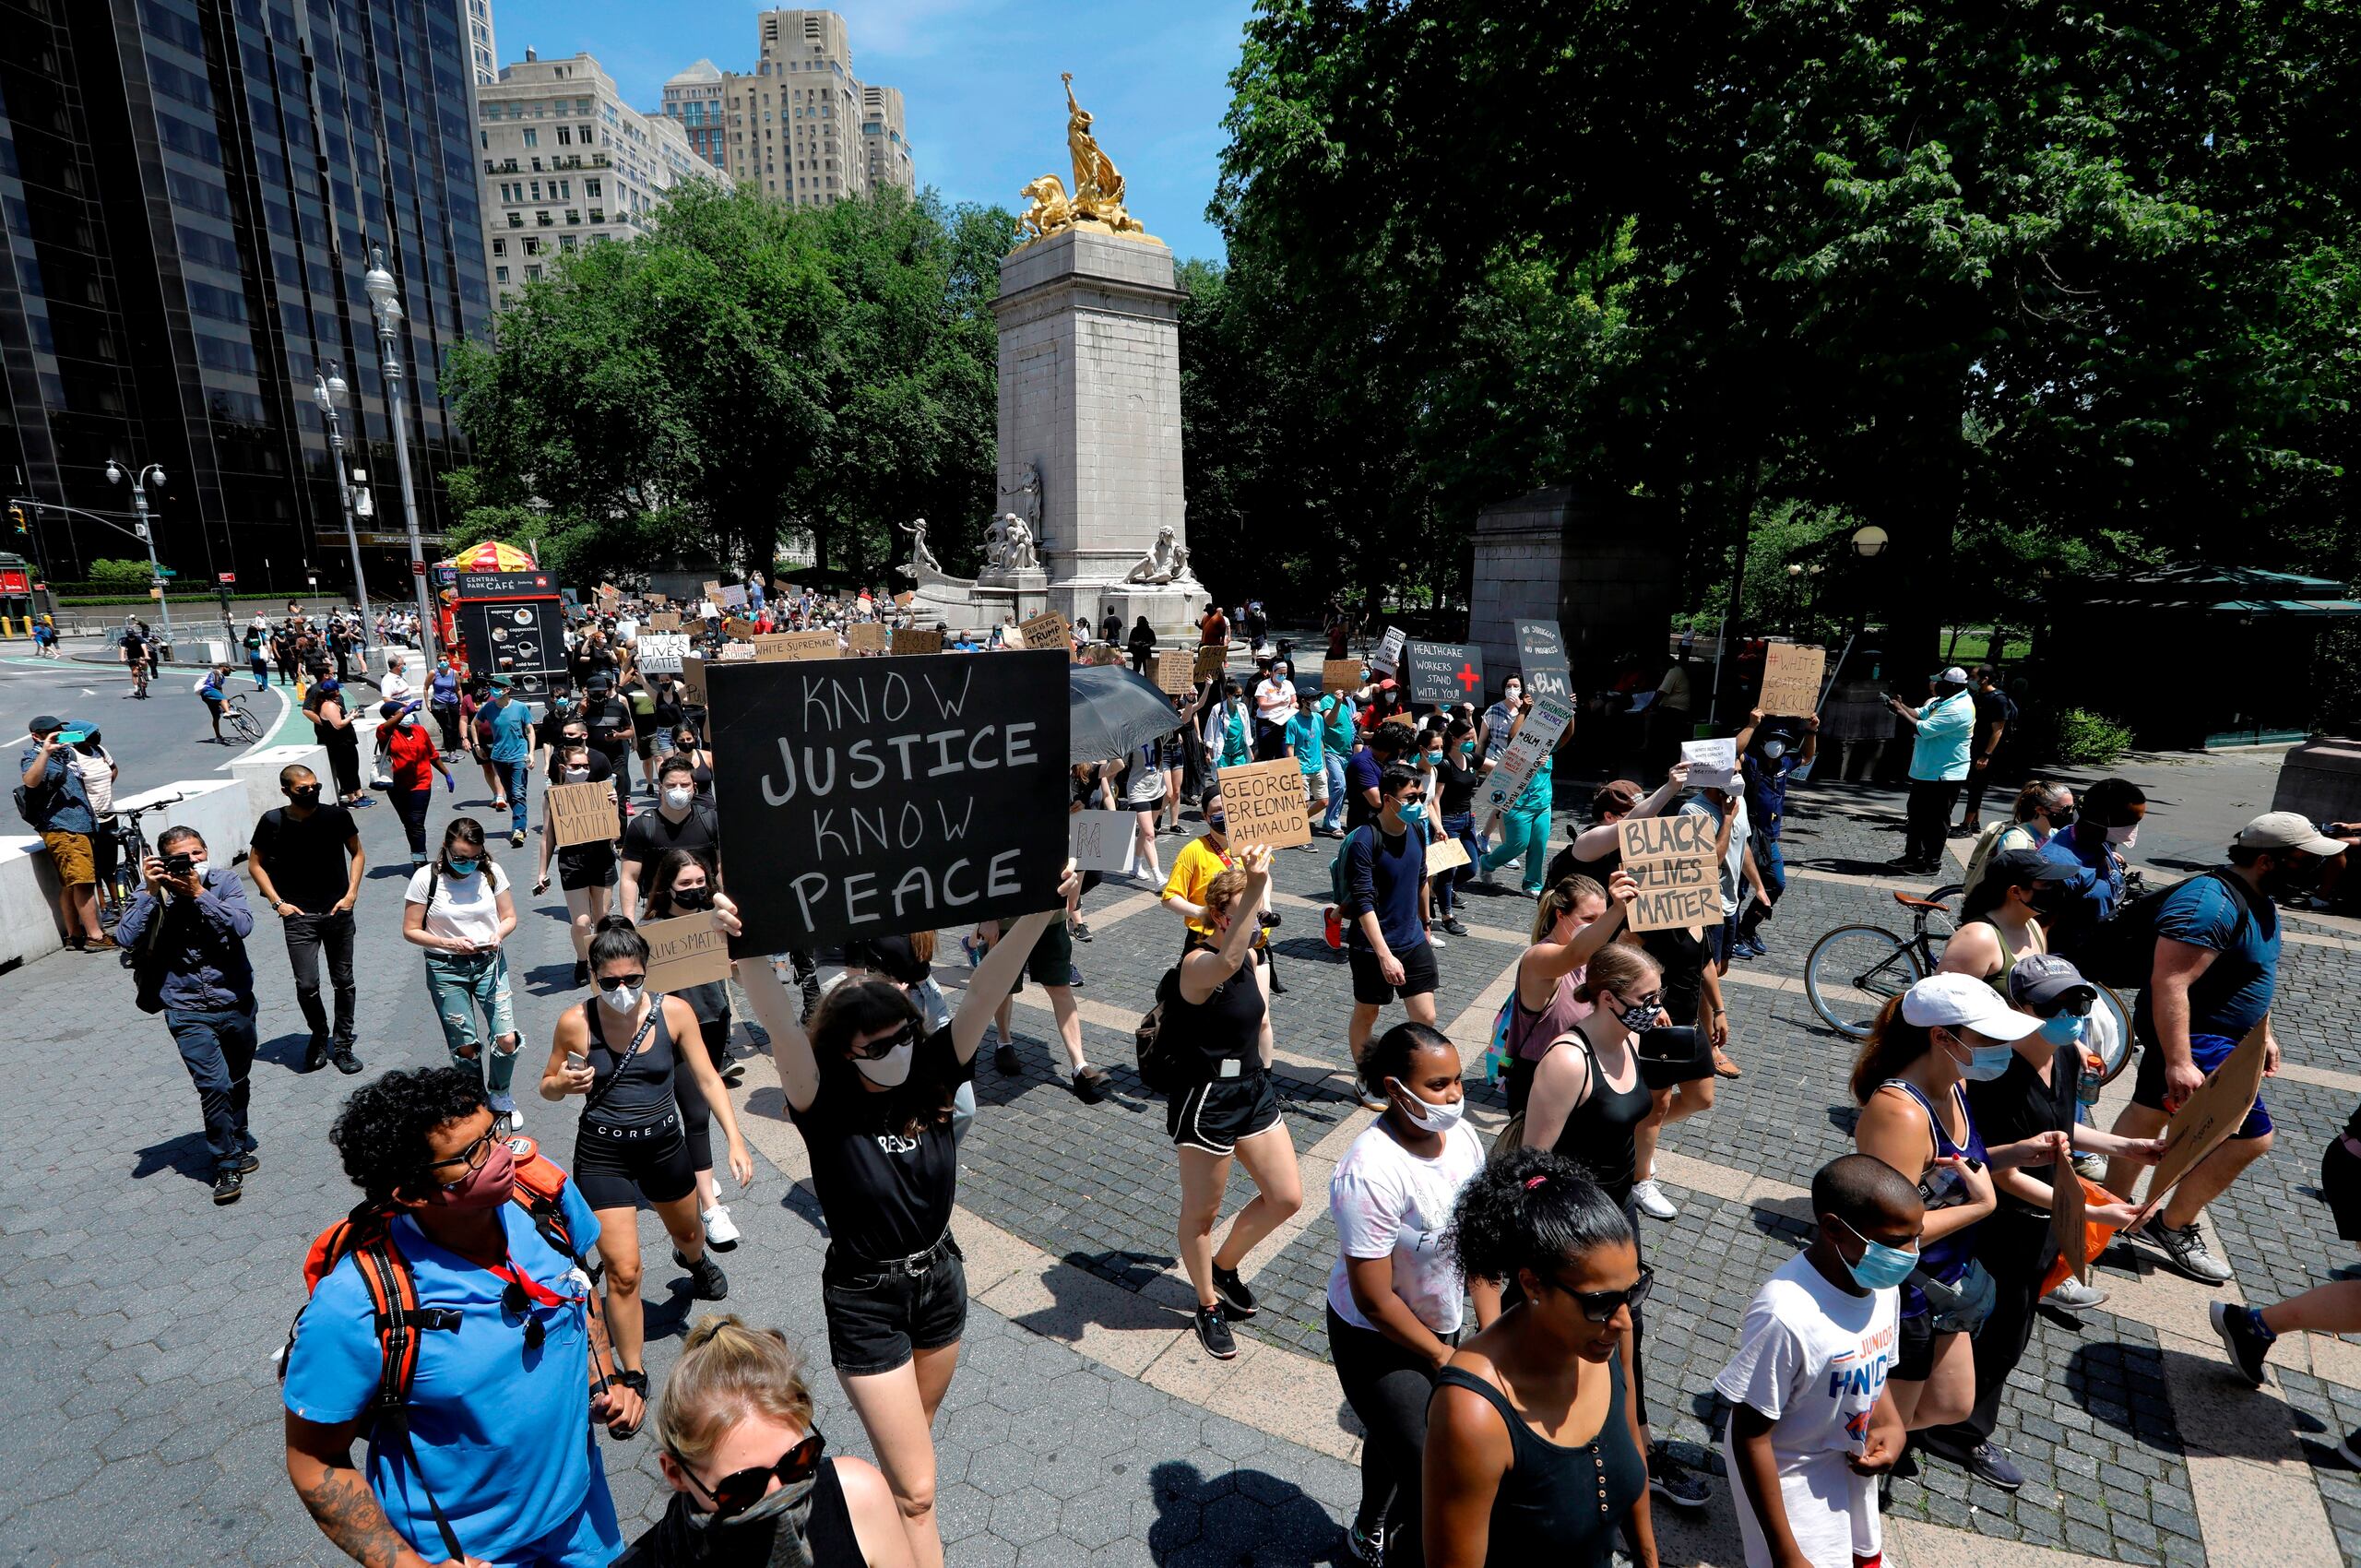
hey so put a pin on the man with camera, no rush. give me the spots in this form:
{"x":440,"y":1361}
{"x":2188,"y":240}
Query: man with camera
{"x":185,"y":936}
{"x":54,"y":800}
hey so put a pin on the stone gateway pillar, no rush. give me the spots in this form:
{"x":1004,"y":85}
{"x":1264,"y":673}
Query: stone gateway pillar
{"x":1090,"y":398}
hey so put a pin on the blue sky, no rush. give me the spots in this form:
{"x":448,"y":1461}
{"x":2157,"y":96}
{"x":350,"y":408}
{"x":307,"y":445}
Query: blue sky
{"x":987,"y":113}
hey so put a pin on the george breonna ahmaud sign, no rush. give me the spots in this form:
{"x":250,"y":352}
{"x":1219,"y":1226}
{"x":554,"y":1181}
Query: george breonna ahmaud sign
{"x":867,"y":797}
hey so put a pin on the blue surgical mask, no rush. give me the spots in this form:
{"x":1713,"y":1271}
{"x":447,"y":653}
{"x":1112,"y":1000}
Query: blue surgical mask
{"x":1468,"y":748}
{"x":1881,"y":1267}
{"x":1413,"y":811}
{"x":463,"y":868}
{"x":2064,"y":1029}
{"x":1985,"y":1063}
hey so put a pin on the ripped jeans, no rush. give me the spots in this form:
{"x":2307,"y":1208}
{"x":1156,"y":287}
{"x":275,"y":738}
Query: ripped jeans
{"x":461,"y":984}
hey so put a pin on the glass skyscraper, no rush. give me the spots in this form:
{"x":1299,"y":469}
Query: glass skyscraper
{"x":188,"y":192}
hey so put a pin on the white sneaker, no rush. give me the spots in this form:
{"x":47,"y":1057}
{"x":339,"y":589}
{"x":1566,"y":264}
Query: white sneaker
{"x":1436,"y":941}
{"x":503,"y":1113}
{"x":1652,"y":1201}
{"x":719,"y":1233}
{"x":2074,"y":1296}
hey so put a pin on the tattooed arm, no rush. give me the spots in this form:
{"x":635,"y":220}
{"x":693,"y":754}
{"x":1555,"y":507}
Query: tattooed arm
{"x":319,"y":1461}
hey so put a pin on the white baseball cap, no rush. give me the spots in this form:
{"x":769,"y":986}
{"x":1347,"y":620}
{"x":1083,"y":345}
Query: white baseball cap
{"x":1962,"y":1002}
{"x":1953,"y":676}
{"x":2286,"y":830}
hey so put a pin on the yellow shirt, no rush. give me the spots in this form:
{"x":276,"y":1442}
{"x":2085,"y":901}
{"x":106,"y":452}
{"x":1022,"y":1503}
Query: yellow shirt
{"x":1194,"y":870}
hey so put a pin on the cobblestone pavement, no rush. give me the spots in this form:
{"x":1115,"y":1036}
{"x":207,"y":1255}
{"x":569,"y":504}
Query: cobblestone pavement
{"x":141,"y":1413}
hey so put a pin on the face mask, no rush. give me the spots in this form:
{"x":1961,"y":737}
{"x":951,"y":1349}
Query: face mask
{"x":1427,"y":1115}
{"x":1432,"y":759}
{"x":1466,"y":748}
{"x":621,"y":998}
{"x":2061,"y":818}
{"x":693,"y":897}
{"x":1413,"y":811}
{"x":1985,"y":1063}
{"x":1511,"y":694}
{"x":1640,"y":1016}
{"x":1881,"y":1267}
{"x":487,"y":1188}
{"x":2124,"y":837}
{"x":1775,"y":750}
{"x":678,"y":797}
{"x":890,"y":1070}
{"x":1219,"y":823}
{"x":306,"y":798}
{"x":464,"y":868}
{"x":559,"y":705}
{"x":577,"y":775}
{"x":442,"y":670}
{"x":2064,"y":1029}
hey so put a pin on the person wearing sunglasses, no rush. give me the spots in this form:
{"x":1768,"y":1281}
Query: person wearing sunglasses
{"x":494,"y":1435}
{"x":1589,"y":1102}
{"x":682,"y":885}
{"x":873,"y":1098}
{"x":1813,"y":1418}
{"x":736,"y":1444}
{"x":620,"y":1051}
{"x":1533,"y":1452}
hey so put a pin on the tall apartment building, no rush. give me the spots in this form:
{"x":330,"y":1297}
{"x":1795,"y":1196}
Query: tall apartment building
{"x":800,"y":125}
{"x":190,"y":190}
{"x":567,"y":162}
{"x":483,"y":54}
{"x":693,"y":102}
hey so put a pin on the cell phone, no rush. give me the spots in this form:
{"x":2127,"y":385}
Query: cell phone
{"x":179,"y":864}
{"x":575,"y":1060}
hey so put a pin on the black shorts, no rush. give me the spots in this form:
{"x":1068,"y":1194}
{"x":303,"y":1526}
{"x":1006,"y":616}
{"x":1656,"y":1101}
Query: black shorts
{"x":2208,"y":1052}
{"x":1214,"y":1115}
{"x":1917,"y":1358}
{"x":1369,"y":987}
{"x":587,"y":865}
{"x":616,"y":1167}
{"x":2341,"y":1185}
{"x":1051,"y":960}
{"x":879,"y":1314}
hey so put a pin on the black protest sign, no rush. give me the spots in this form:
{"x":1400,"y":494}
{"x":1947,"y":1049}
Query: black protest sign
{"x":874,"y":797}
{"x":1444,"y":673}
{"x":1541,"y":658}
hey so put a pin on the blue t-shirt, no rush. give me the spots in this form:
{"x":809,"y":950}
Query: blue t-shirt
{"x":1385,"y":875}
{"x":1766,"y":789}
{"x":1304,"y":733}
{"x":2235,"y":992}
{"x":1945,"y":727}
{"x":501,"y":1432}
{"x":511,"y":731}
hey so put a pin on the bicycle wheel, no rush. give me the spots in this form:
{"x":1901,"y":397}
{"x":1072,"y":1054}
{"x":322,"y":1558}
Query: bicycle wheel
{"x":243,"y":720}
{"x":2108,"y":1038}
{"x":1852,"y":971}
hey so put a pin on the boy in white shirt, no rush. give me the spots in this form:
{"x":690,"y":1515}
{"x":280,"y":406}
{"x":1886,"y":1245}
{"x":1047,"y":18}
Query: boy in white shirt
{"x":1811,"y":1424}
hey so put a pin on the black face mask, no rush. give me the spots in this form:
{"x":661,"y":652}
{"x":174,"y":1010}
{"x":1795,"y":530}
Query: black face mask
{"x":2293,"y":876}
{"x":310,"y":797}
{"x":693,"y":897}
{"x":2061,"y":819}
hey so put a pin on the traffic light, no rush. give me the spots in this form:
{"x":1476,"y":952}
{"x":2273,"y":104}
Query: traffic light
{"x":16,"y":516}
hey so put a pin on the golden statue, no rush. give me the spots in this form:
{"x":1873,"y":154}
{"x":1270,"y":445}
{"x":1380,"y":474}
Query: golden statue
{"x":1098,"y":198}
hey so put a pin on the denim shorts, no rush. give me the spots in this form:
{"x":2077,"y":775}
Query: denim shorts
{"x":879,"y":1313}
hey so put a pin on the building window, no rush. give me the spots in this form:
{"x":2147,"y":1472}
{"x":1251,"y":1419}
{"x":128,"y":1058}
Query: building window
{"x":500,"y":274}
{"x":566,"y":241}
{"x":499,"y":247}
{"x":590,"y":187}
{"x":533,"y":272}
{"x":565,"y":136}
{"x":537,"y":190}
{"x":532,"y":137}
{"x":573,"y":215}
{"x":532,"y":245}
{"x":542,"y":219}
{"x":516,"y":220}
{"x":588,"y":139}
{"x":565,"y":190}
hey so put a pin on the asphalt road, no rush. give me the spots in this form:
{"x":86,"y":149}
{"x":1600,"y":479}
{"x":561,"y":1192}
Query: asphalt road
{"x":159,"y":740}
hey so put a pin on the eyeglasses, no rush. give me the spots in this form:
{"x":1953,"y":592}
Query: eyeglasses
{"x":741,"y":1489}
{"x":1600,"y":1306}
{"x":885,"y":1044}
{"x":472,"y":1156}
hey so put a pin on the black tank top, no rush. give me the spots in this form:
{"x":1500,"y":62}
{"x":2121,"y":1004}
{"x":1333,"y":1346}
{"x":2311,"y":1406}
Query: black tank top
{"x":1564,"y":864}
{"x":1599,"y":1133}
{"x":1558,"y":1504}
{"x":641,"y":1094}
{"x":1226,"y":1025}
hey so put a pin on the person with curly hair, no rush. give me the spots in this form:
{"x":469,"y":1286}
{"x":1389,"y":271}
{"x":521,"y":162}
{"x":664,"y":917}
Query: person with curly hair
{"x":492,"y":1461}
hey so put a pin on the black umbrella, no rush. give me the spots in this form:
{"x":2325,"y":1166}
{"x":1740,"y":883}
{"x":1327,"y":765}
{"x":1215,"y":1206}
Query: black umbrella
{"x":1113,"y":711}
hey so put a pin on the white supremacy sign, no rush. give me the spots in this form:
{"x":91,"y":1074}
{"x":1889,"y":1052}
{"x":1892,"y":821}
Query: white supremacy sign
{"x":881,"y":796}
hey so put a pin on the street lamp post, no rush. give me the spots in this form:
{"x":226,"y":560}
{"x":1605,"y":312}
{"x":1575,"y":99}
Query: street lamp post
{"x":386,"y":300}
{"x":116,"y":474}
{"x":329,"y":391}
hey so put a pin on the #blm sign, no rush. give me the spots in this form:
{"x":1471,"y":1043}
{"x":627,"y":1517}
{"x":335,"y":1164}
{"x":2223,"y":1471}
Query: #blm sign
{"x":1342,"y":675}
{"x":660,"y":653}
{"x":1101,"y":840}
{"x":580,"y":814}
{"x":1264,"y":802}
{"x":1211,"y":661}
{"x":913,"y":639}
{"x":1049,"y":629}
{"x":738,"y":629}
{"x":785,"y":647}
{"x":1174,"y":671}
{"x":1521,"y":757}
{"x":686,"y":951}
{"x":866,"y":637}
{"x":1712,"y":764}
{"x":1672,"y":859}
{"x":1444,"y":673}
{"x":692,"y":667}
{"x":873,"y":797}
{"x":1388,"y":656}
{"x":1541,"y":658}
{"x":1791,"y":677}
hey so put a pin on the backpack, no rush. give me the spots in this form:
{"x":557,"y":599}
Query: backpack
{"x":31,"y":804}
{"x":1336,"y":863}
{"x":1159,"y":1066}
{"x":2122,"y":951}
{"x":366,"y":1236}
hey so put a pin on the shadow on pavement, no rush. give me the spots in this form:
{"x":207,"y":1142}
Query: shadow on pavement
{"x":286,"y":1050}
{"x":1237,"y":1516}
{"x":187,"y":1154}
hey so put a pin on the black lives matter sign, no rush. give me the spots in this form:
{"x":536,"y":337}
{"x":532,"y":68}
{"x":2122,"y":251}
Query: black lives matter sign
{"x":867,"y":797}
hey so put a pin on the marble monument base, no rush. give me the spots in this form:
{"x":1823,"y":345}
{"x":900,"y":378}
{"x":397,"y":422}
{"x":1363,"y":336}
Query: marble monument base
{"x":978,"y":604}
{"x":1174,"y":610}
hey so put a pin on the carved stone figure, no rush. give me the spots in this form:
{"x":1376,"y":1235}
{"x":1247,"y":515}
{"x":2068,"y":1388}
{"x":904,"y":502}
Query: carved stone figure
{"x":1029,"y":496}
{"x":1017,"y":543}
{"x":920,"y":555}
{"x":1166,"y":562}
{"x":995,"y":546}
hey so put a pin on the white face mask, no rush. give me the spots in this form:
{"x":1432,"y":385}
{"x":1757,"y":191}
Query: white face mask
{"x":2124,"y":837}
{"x":1425,"y":1114}
{"x":621,"y":998}
{"x":890,"y":1070}
{"x":678,"y":797}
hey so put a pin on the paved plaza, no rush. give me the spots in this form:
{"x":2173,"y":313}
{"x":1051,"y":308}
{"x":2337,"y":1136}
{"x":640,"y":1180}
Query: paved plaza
{"x":142,"y":1422}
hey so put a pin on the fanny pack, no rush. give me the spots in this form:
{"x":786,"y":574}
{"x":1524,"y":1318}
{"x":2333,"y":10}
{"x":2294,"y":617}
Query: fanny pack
{"x":1960,"y":1306}
{"x":1678,"y":1054}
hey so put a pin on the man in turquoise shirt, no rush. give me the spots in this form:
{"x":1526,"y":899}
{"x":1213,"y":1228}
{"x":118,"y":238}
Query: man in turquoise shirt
{"x":511,"y":724}
{"x":1937,"y":768}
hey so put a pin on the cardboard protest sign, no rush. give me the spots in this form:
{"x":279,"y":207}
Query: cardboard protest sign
{"x":870,"y":797}
{"x":686,"y":951}
{"x":781,"y":647}
{"x":1211,"y":661}
{"x":866,"y":637}
{"x":1444,"y":673}
{"x":1174,"y":673}
{"x":738,"y":629}
{"x":1712,"y":764}
{"x":712,"y":591}
{"x":733,"y":598}
{"x":1342,"y":675}
{"x":1541,"y":659}
{"x":658,"y":600}
{"x":1049,"y":629}
{"x":660,"y":653}
{"x":914,"y":639}
{"x":1387,"y":660}
{"x":580,"y":814}
{"x":734,"y":653}
{"x":664,"y":621}
{"x":1522,"y":757}
{"x":1791,"y":677}
{"x":2209,"y":1116}
{"x":905,"y":600}
{"x":1443,"y":854}
{"x":2066,"y":1222}
{"x":1672,"y":859}
{"x":692,"y":667}
{"x":1101,"y":840}
{"x":1406,"y":719}
{"x":1264,"y":802}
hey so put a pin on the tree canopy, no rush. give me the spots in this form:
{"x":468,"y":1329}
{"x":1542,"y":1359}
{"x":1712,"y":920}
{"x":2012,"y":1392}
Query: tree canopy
{"x":741,"y":369}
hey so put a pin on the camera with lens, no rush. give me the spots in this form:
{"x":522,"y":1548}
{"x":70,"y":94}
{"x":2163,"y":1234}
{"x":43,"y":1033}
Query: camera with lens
{"x":179,"y":863}
{"x":1269,"y":919}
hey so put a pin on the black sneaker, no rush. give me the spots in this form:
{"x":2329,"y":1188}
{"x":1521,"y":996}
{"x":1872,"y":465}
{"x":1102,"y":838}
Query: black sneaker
{"x":229,"y":1185}
{"x":1081,"y":931}
{"x":581,"y":974}
{"x":1212,"y":1333}
{"x":1988,"y":1462}
{"x":1005,"y":1060}
{"x":346,"y":1063}
{"x":1236,"y":1299}
{"x":1091,"y":1085}
{"x":247,"y":1161}
{"x":1366,"y":1542}
{"x":316,"y":1057}
{"x":1674,"y":1481}
{"x":1451,"y":925}
{"x":2244,"y":1337}
{"x":706,"y":1282}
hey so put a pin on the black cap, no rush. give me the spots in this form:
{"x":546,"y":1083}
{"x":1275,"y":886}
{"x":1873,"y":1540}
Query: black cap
{"x":2022,"y":868}
{"x":45,"y":724}
{"x":2044,"y":982}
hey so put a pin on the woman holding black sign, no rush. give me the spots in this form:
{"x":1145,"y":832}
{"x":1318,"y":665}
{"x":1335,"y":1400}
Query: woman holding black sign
{"x":874,"y":1100}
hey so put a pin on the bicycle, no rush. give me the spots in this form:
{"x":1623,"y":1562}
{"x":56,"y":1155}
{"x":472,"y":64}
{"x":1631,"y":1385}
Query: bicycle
{"x":240,"y":715}
{"x":123,"y":882}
